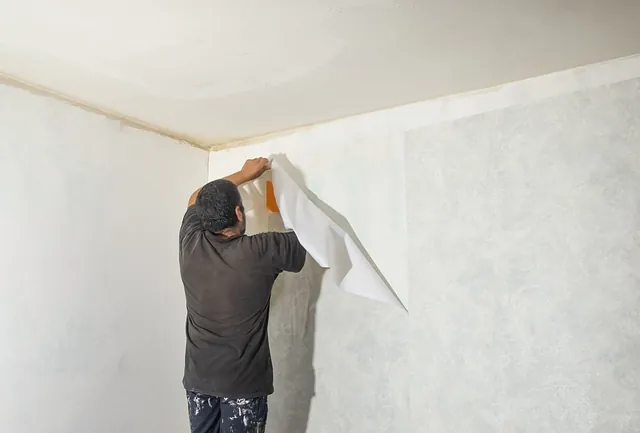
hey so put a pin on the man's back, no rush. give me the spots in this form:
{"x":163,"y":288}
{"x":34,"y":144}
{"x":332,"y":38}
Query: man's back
{"x":228,"y":285}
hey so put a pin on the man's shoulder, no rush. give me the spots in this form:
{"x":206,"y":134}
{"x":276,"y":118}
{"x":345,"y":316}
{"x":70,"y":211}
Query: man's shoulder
{"x":269,"y":236}
{"x":258,"y":240}
{"x":266,"y":242}
{"x":263,"y":235}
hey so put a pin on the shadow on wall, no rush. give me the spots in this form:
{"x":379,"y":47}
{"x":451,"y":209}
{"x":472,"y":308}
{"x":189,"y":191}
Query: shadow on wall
{"x":291,"y":327}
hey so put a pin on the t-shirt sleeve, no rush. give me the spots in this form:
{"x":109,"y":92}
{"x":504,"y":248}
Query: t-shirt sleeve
{"x":286,"y":252}
{"x":190,"y":224}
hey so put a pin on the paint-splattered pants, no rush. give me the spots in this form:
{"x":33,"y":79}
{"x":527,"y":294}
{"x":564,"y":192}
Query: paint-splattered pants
{"x":209,"y":414}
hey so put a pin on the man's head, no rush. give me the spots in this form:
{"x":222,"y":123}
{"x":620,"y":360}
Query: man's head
{"x":220,"y":209}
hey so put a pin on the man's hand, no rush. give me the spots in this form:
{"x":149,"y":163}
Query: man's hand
{"x":252,"y":169}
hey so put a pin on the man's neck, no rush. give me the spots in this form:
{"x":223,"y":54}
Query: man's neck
{"x":229,"y":233}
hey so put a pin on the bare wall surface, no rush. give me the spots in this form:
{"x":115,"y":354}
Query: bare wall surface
{"x":91,"y":305}
{"x":525,"y":267}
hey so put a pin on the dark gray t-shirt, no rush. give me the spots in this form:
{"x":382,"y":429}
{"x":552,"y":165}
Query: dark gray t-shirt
{"x":228,"y":284}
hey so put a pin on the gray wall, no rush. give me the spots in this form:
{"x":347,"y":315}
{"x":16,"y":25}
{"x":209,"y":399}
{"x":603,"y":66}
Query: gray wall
{"x":524,"y":293}
{"x":523,"y":230}
{"x":524,"y":242}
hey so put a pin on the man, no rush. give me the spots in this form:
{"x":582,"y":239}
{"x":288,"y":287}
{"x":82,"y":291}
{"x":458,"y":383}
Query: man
{"x":228,"y":279}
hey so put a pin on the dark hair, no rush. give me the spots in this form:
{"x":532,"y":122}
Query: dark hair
{"x":216,"y":205}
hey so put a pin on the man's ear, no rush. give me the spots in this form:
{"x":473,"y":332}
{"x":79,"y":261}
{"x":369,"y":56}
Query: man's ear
{"x":239,"y":214}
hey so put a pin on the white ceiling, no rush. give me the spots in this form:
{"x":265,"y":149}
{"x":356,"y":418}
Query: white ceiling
{"x":215,"y":71}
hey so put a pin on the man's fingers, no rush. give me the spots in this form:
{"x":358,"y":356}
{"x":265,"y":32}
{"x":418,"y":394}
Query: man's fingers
{"x":258,"y":164}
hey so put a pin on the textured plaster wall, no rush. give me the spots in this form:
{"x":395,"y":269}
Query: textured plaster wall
{"x":517,"y":213}
{"x":525,"y":267}
{"x":91,"y":303}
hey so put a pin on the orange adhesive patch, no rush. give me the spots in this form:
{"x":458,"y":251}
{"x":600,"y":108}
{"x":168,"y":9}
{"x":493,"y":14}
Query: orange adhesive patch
{"x":272,"y":205}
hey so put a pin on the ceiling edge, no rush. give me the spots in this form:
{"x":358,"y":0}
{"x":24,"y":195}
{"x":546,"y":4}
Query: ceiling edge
{"x":614,"y":70}
{"x":255,"y":139}
{"x":405,"y":116}
{"x":131,"y":122}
